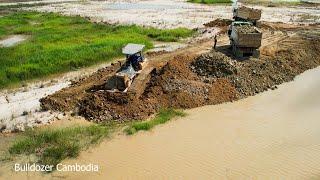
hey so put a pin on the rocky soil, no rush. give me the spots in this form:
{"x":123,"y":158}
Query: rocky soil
{"x":246,"y":29}
{"x":293,"y":56}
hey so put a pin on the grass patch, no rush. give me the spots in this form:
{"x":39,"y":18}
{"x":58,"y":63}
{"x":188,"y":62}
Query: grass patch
{"x":52,"y":146}
{"x":211,"y":1}
{"x":21,"y":5}
{"x":58,"y":43}
{"x":162,"y":117}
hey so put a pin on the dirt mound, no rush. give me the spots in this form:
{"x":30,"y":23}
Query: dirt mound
{"x":246,"y":29}
{"x":177,"y":86}
{"x":294,"y":56}
{"x":189,"y":80}
{"x":218,"y":23}
{"x":214,"y":65}
{"x":68,"y":98}
{"x":174,"y":85}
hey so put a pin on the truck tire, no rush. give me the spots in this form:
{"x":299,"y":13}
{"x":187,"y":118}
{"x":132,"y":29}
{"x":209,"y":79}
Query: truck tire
{"x":234,"y":49}
{"x":256,"y":53}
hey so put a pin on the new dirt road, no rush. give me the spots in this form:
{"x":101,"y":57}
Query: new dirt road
{"x":190,"y":78}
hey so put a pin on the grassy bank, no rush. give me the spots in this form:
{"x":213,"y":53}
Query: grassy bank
{"x":58,"y":43}
{"x":211,"y":1}
{"x":162,"y":117}
{"x":52,"y":146}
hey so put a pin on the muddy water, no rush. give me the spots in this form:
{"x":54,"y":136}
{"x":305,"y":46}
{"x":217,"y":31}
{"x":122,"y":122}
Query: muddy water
{"x":274,"y":135}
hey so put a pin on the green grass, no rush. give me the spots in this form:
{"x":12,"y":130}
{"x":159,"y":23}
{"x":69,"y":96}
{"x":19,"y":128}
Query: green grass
{"x":52,"y":146}
{"x":211,"y":1}
{"x":58,"y":43}
{"x":162,"y":117}
{"x":20,"y":5}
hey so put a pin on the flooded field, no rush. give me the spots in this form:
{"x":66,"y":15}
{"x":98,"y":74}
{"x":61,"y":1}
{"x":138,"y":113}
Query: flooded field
{"x":271,"y":135}
{"x":172,"y":14}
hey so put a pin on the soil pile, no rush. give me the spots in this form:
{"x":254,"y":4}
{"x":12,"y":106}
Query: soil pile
{"x":189,"y":80}
{"x":246,"y":29}
{"x":68,"y":99}
{"x":214,"y":64}
{"x":174,"y":85}
{"x":218,"y":23}
{"x":293,"y":56}
{"x":177,"y":86}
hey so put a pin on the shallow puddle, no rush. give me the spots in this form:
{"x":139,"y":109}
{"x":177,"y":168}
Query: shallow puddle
{"x":12,"y":40}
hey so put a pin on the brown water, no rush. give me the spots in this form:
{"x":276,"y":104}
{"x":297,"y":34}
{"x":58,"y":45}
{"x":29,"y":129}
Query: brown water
{"x":274,"y":135}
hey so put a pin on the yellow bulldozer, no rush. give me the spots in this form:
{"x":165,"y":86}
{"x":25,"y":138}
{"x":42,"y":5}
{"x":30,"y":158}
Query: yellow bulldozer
{"x":131,"y":79}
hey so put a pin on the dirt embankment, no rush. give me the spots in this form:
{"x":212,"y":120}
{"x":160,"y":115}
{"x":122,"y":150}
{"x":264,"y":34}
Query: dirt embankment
{"x":68,"y":98}
{"x":174,"y":85}
{"x":218,"y":23}
{"x":190,"y":80}
{"x":291,"y":57}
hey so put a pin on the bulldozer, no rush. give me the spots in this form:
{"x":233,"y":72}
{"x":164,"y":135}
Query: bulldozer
{"x":132,"y":66}
{"x":131,"y":79}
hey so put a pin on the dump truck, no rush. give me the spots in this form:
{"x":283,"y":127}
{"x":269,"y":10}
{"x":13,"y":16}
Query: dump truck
{"x":245,"y":39}
{"x":244,"y":13}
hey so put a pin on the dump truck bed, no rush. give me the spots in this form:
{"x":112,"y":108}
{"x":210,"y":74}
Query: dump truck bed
{"x":247,"y":36}
{"x":247,"y":13}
